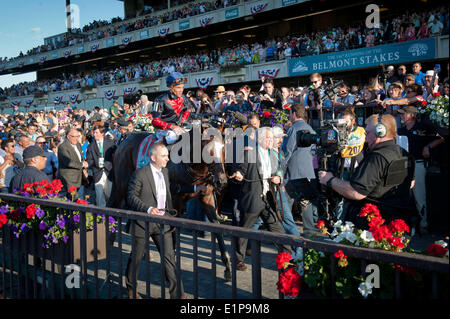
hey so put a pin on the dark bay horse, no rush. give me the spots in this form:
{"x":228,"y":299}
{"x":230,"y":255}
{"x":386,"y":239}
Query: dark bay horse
{"x":212,"y":174}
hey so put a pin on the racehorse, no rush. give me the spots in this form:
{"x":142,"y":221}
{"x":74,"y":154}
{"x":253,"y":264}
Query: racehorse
{"x":212,"y":174}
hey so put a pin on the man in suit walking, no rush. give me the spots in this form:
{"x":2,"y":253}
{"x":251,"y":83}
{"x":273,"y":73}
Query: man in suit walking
{"x":72,"y":165}
{"x":100,"y":159}
{"x":256,"y":173}
{"x":149,"y":191}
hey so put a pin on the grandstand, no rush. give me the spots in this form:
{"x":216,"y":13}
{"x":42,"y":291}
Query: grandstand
{"x":153,"y":34}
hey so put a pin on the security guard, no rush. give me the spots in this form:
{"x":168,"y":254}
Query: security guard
{"x":172,"y":108}
{"x":35,"y":160}
{"x":383,"y":178}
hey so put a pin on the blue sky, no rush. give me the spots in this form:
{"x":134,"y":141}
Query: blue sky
{"x":25,"y":23}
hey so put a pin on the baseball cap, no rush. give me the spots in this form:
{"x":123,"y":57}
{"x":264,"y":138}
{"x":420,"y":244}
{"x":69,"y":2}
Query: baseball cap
{"x":408,"y":109}
{"x":431,"y":73}
{"x":32,"y":151}
{"x":122,"y":122}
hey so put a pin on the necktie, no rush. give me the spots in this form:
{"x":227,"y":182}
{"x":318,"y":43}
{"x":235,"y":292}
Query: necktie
{"x":161,"y":191}
{"x":100,"y":148}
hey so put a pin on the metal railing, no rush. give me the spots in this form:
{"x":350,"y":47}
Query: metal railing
{"x":16,"y":281}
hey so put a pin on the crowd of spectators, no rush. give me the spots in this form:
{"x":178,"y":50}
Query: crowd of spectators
{"x":404,"y":28}
{"x":101,"y":29}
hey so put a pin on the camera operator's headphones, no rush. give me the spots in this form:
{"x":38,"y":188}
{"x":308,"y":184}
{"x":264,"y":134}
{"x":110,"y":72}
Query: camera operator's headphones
{"x":380,"y":128}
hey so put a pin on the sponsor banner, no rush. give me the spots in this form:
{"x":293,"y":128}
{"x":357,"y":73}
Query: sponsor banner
{"x":203,"y":83}
{"x":144,"y":34}
{"x":54,"y":55}
{"x":110,"y":42}
{"x":183,"y":25}
{"x":268,"y":73}
{"x":231,"y":13}
{"x":257,"y":8}
{"x":401,"y":52}
{"x":80,"y":49}
{"x":289,"y":2}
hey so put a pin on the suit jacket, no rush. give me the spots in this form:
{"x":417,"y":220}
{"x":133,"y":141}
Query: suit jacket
{"x":250,"y":200}
{"x":298,"y":160}
{"x":141,"y":196}
{"x":93,"y":155}
{"x":70,"y":167}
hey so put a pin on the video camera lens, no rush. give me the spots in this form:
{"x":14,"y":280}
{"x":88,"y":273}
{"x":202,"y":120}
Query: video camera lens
{"x":306,"y":139}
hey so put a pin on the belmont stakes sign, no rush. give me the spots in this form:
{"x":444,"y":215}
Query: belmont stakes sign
{"x":363,"y":58}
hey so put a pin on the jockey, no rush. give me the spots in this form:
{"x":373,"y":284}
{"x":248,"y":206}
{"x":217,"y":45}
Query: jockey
{"x":172,"y":108}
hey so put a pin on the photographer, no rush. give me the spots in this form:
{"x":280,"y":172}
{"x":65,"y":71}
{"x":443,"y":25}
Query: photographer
{"x":239,"y":105}
{"x":382,"y":178}
{"x":205,"y":104}
{"x":299,"y":171}
{"x":270,"y":96}
{"x":345,"y":99}
{"x":314,"y":98}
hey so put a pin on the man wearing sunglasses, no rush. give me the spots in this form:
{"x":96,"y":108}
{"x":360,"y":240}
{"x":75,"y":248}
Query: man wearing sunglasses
{"x":172,"y":108}
{"x":51,"y":165}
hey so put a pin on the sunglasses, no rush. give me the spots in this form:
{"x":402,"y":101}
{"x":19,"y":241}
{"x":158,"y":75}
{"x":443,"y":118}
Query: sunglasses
{"x":181,"y":80}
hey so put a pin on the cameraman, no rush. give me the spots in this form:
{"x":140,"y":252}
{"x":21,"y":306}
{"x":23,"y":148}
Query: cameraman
{"x":347,"y":160}
{"x":299,"y":171}
{"x":382,"y":178}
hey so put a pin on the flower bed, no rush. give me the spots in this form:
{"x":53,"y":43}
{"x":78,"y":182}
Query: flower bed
{"x":312,"y":268}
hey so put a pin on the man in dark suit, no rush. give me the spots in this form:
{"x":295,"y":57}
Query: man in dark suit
{"x":256,"y":173}
{"x":99,"y":156}
{"x":149,"y":191}
{"x":72,"y":165}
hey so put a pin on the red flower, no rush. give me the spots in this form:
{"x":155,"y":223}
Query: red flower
{"x":72,"y":189}
{"x":339,"y":254}
{"x":381,"y":233}
{"x":3,"y":220}
{"x":282,"y":259}
{"x":436,"y":250}
{"x":399,"y":226}
{"x":397,"y":242}
{"x":369,"y":209}
{"x":320,"y":224}
{"x":436,"y":94}
{"x":289,"y":283}
{"x":30,"y":211}
{"x":267,"y":114}
{"x":82,"y":202}
{"x":375,"y":222}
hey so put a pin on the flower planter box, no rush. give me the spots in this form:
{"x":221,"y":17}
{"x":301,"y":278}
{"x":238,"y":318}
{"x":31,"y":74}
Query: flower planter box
{"x":31,"y":243}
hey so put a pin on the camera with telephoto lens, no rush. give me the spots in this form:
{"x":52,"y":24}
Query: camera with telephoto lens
{"x":331,"y":138}
{"x":330,"y":91}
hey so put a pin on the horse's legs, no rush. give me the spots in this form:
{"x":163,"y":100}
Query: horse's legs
{"x":208,"y":205}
